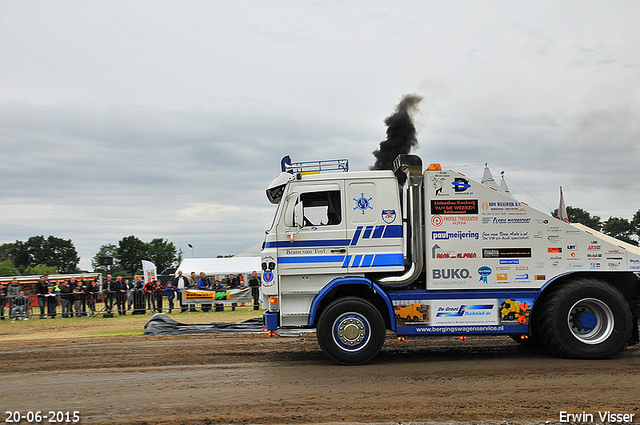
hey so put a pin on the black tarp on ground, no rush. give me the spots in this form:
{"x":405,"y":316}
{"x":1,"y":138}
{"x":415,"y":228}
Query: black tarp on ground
{"x":161,"y":324}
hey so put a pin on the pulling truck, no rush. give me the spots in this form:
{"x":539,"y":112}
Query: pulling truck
{"x":347,"y":249}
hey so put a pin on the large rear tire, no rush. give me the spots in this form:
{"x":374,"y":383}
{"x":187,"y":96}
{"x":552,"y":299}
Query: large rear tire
{"x":586,"y":319}
{"x":351,"y":331}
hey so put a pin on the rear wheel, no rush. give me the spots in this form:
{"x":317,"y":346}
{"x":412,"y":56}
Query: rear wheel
{"x":351,"y":331}
{"x":586,"y":318}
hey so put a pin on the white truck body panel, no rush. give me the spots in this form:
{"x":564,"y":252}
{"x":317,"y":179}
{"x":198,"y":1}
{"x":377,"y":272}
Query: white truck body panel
{"x":479,"y":238}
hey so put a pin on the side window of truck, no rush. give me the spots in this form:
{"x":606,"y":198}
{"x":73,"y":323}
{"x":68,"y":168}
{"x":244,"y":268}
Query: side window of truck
{"x":321,"y":208}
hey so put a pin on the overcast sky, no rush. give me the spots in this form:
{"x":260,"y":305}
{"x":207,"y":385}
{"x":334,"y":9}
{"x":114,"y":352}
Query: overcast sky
{"x":168,"y":119}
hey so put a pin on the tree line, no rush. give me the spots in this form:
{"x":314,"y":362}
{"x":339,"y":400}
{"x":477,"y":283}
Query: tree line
{"x":617,"y":227}
{"x":39,"y":255}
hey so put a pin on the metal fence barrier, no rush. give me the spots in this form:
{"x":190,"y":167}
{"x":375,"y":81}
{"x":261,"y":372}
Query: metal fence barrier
{"x":108,"y":302}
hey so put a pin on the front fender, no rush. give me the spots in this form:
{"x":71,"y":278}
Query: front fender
{"x":375,"y":289}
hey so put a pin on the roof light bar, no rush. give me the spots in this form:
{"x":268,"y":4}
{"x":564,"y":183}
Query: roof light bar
{"x":314,"y":167}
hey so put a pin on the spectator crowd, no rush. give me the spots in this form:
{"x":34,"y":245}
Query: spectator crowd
{"x":79,"y":296}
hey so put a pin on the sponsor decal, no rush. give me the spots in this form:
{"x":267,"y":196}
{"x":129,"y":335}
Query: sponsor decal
{"x":505,"y":236}
{"x":509,"y":261}
{"x":574,"y":266}
{"x":438,"y":220}
{"x":267,"y":277}
{"x":502,"y":276}
{"x":554,"y":250}
{"x":573,"y":232}
{"x":450,"y":274}
{"x":465,"y":310}
{"x":614,"y":264}
{"x":388,"y":216}
{"x":593,"y":256}
{"x":539,"y":277}
{"x":363,"y":204}
{"x":506,"y":252}
{"x":634,"y":267}
{"x":484,"y":272}
{"x":458,"y":206}
{"x":595,"y":265}
{"x":539,"y":265}
{"x":523,"y":276}
{"x":500,"y":220}
{"x":460,"y":184}
{"x":441,"y":235}
{"x":574,"y":257}
{"x":503,"y":206}
{"x":437,"y":254}
{"x":572,"y":247}
{"x":634,"y":260}
{"x":594,"y":247}
{"x":539,"y":235}
{"x":437,"y":181}
{"x":520,"y":268}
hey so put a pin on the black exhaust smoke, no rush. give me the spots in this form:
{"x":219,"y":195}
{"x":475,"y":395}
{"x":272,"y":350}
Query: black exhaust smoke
{"x":401,"y":134}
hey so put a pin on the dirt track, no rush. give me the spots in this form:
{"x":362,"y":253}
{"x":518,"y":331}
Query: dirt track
{"x":256,"y":379}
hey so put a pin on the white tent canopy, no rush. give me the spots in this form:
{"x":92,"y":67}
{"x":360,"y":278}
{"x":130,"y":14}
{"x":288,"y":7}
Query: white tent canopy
{"x":218,"y":266}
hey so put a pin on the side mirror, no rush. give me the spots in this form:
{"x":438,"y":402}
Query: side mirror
{"x":298,"y":215}
{"x":289,"y":213}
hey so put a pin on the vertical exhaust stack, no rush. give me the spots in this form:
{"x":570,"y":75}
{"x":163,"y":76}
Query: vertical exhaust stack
{"x":410,"y":167}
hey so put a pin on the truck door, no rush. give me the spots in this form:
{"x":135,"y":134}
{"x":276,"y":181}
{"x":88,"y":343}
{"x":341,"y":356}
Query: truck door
{"x":312,"y":232}
{"x":374,"y":226}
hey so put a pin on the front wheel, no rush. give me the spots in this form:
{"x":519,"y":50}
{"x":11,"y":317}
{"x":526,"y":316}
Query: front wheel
{"x":587,"y":319}
{"x":351,"y":331}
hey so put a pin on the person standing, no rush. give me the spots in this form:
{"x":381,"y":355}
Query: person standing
{"x":180,"y":283}
{"x":66,"y":294}
{"x":42,"y":291}
{"x":120,"y":289}
{"x":131,"y":287}
{"x":108,"y":294}
{"x":254,"y":284}
{"x":203,"y":284}
{"x":170,"y":290}
{"x":91,"y":291}
{"x":158,"y":293}
{"x":52,"y":302}
{"x":13,"y":290}
{"x":193,"y":283}
{"x":78,"y":298}
{"x":147,"y":289}
{"x":234,"y":283}
{"x":3,"y":300}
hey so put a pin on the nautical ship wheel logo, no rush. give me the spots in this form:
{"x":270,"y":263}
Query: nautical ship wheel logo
{"x":362,"y":203}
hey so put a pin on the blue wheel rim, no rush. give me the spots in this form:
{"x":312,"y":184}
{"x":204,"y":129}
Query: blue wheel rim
{"x":351,"y":331}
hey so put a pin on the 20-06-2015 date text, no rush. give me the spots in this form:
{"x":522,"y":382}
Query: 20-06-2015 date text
{"x":38,"y":416}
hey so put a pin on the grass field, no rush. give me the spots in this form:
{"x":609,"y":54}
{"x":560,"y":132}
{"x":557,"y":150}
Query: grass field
{"x":83,"y":327}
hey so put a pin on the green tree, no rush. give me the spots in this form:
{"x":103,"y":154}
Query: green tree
{"x":131,"y":251}
{"x":52,"y":251}
{"x":635,"y":223}
{"x":578,"y":215}
{"x":8,"y":269}
{"x":163,"y":254}
{"x":619,"y":228}
{"x":40,"y":270}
